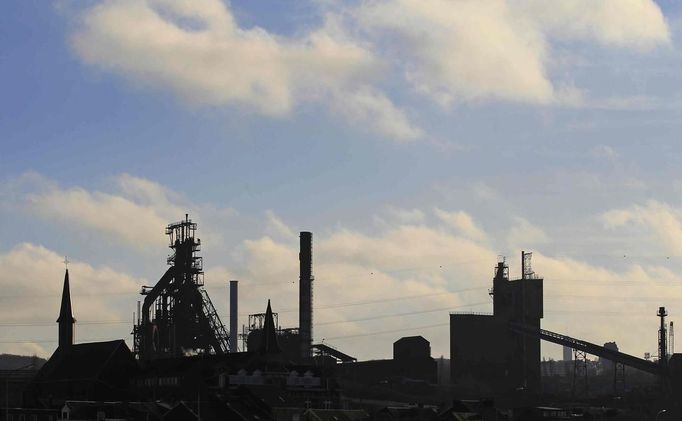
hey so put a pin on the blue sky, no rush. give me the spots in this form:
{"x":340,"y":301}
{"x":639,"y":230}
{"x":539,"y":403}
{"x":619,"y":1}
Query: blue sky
{"x":417,"y":140}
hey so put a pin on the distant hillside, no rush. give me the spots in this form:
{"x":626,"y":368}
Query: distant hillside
{"x":13,"y":362}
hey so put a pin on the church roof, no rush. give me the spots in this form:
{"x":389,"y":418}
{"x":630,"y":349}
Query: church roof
{"x":269,"y":343}
{"x":86,"y":361}
{"x":65,"y":313}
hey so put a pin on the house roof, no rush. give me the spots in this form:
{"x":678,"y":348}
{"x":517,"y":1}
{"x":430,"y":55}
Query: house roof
{"x":85,"y":361}
{"x":412,"y":339}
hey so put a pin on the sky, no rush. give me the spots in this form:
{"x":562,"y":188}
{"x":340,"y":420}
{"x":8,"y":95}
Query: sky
{"x":419,"y":140}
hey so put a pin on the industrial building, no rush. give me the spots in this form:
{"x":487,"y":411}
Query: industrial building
{"x":486,"y":357}
{"x":411,"y":363}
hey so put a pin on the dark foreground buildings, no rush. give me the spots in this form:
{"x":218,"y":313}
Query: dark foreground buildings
{"x":184,"y":365}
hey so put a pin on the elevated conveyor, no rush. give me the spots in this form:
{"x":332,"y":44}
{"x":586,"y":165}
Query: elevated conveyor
{"x":590,"y":348}
{"x":322,"y":349}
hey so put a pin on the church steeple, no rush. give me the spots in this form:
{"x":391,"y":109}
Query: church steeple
{"x":269,"y":343}
{"x":66,"y":319}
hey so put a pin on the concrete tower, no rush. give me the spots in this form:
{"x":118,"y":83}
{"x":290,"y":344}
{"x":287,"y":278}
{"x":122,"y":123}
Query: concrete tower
{"x":66,"y":320}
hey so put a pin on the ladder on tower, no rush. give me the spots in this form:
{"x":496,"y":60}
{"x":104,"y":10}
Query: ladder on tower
{"x":217,"y":326}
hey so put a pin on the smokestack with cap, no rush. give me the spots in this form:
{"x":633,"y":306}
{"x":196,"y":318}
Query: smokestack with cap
{"x":305,"y":312}
{"x":233,"y":316}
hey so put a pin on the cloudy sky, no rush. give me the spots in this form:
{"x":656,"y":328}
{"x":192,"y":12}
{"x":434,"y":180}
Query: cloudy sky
{"x":417,"y":139}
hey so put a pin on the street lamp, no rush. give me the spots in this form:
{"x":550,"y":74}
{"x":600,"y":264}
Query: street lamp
{"x":662,"y":411}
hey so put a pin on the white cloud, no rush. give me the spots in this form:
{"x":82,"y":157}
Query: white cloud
{"x":199,"y":51}
{"x":604,"y":151}
{"x":276,"y":227}
{"x":370,"y":107}
{"x":452,"y":51}
{"x":525,"y":234}
{"x":638,"y":24}
{"x":616,"y":218}
{"x":462,"y":222}
{"x":456,"y":50}
{"x":406,"y":216}
{"x":146,"y":192}
{"x":135,"y":211}
{"x":32,"y":280}
{"x":484,"y":191}
{"x":467,"y":50}
{"x":125,"y":218}
{"x":661,"y":219}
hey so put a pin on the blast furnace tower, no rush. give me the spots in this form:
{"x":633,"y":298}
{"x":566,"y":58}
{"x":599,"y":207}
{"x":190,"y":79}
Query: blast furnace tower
{"x":177,"y":316}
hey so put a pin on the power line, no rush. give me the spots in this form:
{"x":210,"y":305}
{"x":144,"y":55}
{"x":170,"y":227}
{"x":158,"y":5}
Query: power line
{"x":393,"y":299}
{"x":213,"y":286}
{"x":30,"y":341}
{"x":104,"y":322}
{"x":609,"y":297}
{"x":614,"y":313}
{"x":387,"y":331}
{"x":98,"y":294}
{"x":323,"y":307}
{"x":44,"y":323}
{"x":368,"y":272}
{"x":379,"y":301}
{"x":411,"y":313}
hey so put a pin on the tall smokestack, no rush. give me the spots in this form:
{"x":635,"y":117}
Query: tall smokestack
{"x":305,"y":300}
{"x":233,"y":315}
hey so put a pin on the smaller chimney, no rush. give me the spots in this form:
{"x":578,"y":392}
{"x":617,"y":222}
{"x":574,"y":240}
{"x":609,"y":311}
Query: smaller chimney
{"x":305,"y":299}
{"x":233,"y":316}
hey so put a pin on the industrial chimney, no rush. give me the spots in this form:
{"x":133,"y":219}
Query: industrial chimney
{"x":233,"y":316}
{"x":305,"y":300}
{"x":662,"y":338}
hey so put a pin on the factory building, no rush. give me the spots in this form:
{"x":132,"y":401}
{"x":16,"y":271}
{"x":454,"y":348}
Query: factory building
{"x":411,"y":363}
{"x":487,"y":357}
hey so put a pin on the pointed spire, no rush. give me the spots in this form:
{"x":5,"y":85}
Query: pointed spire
{"x":269,"y":344}
{"x":66,"y":319}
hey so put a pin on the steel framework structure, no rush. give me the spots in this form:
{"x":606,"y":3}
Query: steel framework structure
{"x":177,"y":316}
